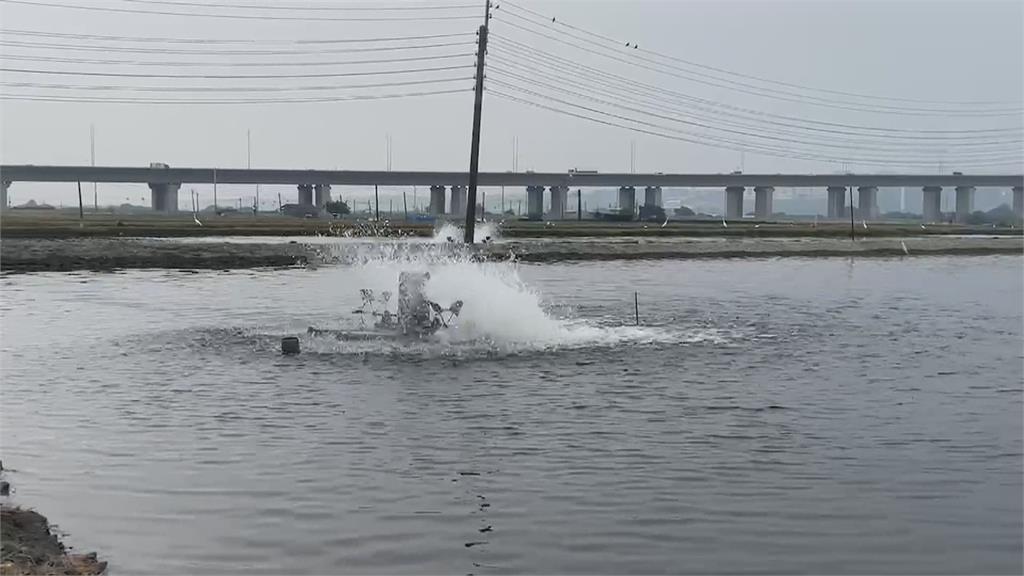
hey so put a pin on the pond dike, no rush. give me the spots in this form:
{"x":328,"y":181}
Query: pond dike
{"x":107,"y":254}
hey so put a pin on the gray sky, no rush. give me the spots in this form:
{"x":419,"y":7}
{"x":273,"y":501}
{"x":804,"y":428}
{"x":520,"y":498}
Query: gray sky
{"x":917,"y":50}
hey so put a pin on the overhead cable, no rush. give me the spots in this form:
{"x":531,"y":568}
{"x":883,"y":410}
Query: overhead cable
{"x":317,"y":18}
{"x":547,"y":20}
{"x":718,"y":142}
{"x":689,"y":75}
{"x":534,"y":71}
{"x":111,"y":87}
{"x":261,"y":41}
{"x":232,"y":76}
{"x":542,"y":58}
{"x":226,"y":64}
{"x":197,"y":101}
{"x":208,"y":52}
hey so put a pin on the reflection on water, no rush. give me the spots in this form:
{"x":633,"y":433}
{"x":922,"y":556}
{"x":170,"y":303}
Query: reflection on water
{"x":769,"y":415}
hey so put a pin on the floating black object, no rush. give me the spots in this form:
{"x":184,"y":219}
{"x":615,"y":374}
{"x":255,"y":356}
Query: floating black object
{"x":289,"y":345}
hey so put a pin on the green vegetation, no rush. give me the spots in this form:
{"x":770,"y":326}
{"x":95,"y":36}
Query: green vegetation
{"x":1001,"y":215}
{"x":338,"y":207}
{"x":65,"y":224}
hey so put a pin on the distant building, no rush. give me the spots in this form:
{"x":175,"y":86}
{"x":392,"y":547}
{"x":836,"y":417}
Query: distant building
{"x":31,"y":205}
{"x":300,"y":210}
{"x":652,"y":213}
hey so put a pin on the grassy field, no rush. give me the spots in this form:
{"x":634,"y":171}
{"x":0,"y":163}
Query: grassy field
{"x":61,"y":224}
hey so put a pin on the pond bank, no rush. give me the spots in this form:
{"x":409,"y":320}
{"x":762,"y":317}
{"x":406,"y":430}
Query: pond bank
{"x":29,"y":547}
{"x":37,"y":255}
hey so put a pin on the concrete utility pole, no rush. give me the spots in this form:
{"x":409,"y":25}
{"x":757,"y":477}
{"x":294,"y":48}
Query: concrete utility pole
{"x":92,"y":157}
{"x":478,"y":101}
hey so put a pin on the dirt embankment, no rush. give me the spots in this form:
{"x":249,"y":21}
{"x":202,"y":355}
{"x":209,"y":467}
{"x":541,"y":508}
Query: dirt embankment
{"x":36,"y":255}
{"x":29,"y":547}
{"x":682,"y":248}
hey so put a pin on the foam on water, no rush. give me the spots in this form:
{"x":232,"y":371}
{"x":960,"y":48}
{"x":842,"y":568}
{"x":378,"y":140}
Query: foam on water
{"x":500,"y":311}
{"x":482,"y":231}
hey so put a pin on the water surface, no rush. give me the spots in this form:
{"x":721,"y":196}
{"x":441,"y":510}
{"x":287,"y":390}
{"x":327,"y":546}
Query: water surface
{"x":775,"y":415}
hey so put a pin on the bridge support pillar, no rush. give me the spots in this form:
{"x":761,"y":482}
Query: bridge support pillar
{"x":5,"y":184}
{"x":437,"y":200}
{"x":559,"y":198}
{"x":1018,"y":201}
{"x":964,"y":202}
{"x":734,"y":201}
{"x":457,"y":204}
{"x":931,"y":209}
{"x":534,"y":202}
{"x":763,"y":196}
{"x":306,"y":194}
{"x":164,"y":197}
{"x":627,"y":200}
{"x":836,"y":201}
{"x":323,"y":194}
{"x":652,"y":196}
{"x":868,"y":202}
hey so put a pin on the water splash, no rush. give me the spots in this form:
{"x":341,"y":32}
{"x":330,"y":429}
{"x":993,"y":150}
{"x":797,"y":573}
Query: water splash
{"x":482,"y":232}
{"x":500,"y":312}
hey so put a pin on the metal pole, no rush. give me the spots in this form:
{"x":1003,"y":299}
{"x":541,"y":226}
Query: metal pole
{"x":81,"y":213}
{"x":478,"y":101}
{"x":92,"y":156}
{"x":248,"y":165}
{"x":853,"y":236}
{"x":636,"y":307}
{"x":579,"y":205}
{"x":483,"y":205}
{"x":376,"y":200}
{"x":215,"y":208}
{"x":405,"y":205}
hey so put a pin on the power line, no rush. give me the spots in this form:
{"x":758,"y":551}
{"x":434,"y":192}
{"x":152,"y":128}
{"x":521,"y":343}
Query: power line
{"x":746,"y":144}
{"x":317,"y":18}
{"x":31,"y":58}
{"x":406,"y":8}
{"x":704,"y":139}
{"x":179,"y":101}
{"x":735,"y":148}
{"x":586,"y":94}
{"x":155,"y":50}
{"x":586,"y":82}
{"x":166,"y":40}
{"x":233,"y":76}
{"x":684,"y":74}
{"x":106,"y":87}
{"x":566,"y":66}
{"x":548,"y":19}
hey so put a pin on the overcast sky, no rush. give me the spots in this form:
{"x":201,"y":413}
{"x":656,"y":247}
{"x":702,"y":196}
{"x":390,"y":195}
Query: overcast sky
{"x":916,"y":50}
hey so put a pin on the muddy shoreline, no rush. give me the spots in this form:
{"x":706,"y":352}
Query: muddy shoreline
{"x":104,"y":254}
{"x":29,"y":546}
